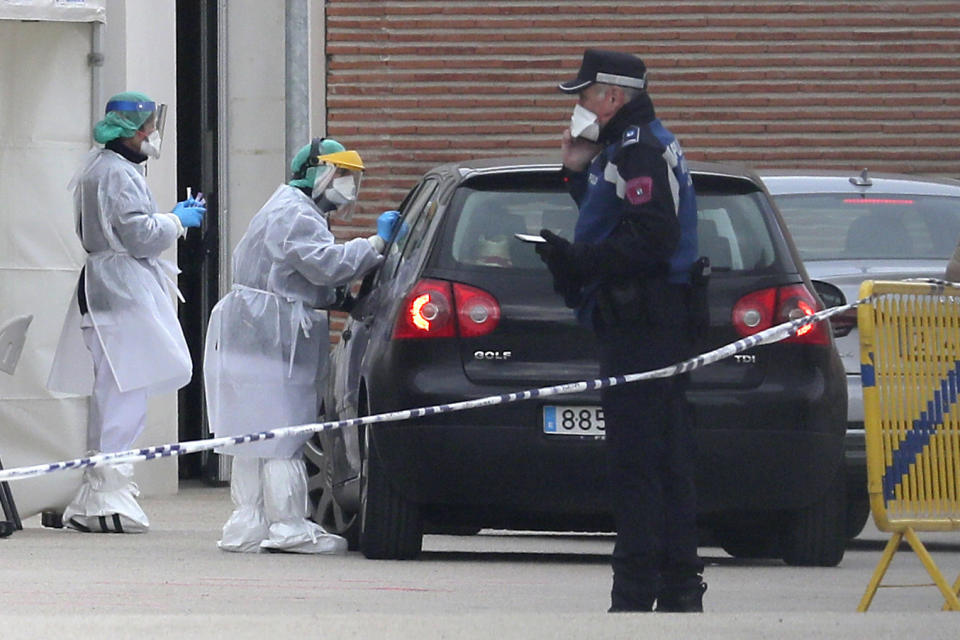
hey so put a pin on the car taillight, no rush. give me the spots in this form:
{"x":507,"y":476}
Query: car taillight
{"x":427,"y":312}
{"x":440,"y":309}
{"x":477,"y":311}
{"x":763,"y":309}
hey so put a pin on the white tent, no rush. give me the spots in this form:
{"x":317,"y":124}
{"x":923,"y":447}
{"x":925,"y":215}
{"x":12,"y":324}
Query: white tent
{"x":46,"y":84}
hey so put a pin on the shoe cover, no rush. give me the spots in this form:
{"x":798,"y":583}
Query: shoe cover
{"x":285,"y":506}
{"x":107,"y":502}
{"x":247,"y":526}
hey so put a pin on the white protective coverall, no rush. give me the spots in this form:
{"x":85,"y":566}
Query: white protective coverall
{"x":267,"y":349}
{"x":129,"y":344}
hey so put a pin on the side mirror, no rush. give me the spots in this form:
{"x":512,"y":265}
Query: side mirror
{"x":829,"y":293}
{"x":832,"y":296}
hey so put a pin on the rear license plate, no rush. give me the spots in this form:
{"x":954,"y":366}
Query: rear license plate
{"x":567,"y":420}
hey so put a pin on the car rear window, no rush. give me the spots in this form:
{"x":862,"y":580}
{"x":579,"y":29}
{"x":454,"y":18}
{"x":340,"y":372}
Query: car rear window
{"x":733,"y":225}
{"x":489,"y":219}
{"x":878,"y":226}
{"x":733,"y":230}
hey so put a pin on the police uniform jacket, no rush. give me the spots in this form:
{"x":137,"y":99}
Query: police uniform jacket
{"x":635,"y":240}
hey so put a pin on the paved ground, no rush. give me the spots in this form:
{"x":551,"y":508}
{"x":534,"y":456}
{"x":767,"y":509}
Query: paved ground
{"x":173,"y":582}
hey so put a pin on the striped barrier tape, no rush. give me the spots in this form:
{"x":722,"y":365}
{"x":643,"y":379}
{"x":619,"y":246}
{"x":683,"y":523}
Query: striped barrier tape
{"x":767,"y":336}
{"x":773,"y":334}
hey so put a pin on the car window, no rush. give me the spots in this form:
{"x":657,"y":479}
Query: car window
{"x":888,"y":226}
{"x":414,"y":225}
{"x":732,"y":230}
{"x":420,"y":227}
{"x":733,"y":223}
{"x":488,"y":220}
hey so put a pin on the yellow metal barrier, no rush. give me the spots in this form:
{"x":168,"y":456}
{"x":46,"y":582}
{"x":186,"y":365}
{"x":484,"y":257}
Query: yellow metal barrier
{"x":910,"y":366}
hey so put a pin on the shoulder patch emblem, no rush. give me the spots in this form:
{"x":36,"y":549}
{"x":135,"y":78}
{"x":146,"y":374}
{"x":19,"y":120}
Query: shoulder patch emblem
{"x":630,"y":136}
{"x":639,"y":190}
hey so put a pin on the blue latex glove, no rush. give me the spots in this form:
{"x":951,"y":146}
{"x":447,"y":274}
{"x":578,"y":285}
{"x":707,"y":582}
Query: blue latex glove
{"x":387,"y":224}
{"x":190,"y":212}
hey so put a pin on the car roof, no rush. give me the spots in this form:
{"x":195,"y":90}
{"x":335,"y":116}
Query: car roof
{"x":509,"y":164}
{"x":796,"y":181}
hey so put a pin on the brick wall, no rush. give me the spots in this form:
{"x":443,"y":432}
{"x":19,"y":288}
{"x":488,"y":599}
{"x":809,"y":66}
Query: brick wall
{"x":821,"y":83}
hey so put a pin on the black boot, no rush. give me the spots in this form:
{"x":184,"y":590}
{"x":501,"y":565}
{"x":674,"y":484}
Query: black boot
{"x":631,"y":608}
{"x":629,"y":596}
{"x":685,"y":600}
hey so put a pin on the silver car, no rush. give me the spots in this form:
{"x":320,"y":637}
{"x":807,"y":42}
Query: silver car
{"x":853,"y":227}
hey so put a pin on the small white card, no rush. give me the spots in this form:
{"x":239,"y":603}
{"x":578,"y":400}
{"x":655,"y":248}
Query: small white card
{"x":526,"y":237}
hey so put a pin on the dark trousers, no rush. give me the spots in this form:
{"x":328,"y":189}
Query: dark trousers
{"x":650,"y":455}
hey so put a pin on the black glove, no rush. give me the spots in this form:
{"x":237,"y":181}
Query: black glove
{"x":560,"y":257}
{"x":556,"y":252}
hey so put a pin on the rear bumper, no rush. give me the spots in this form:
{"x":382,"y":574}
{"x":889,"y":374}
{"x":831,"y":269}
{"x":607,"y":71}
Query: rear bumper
{"x":500,"y":461}
{"x":518,"y":468}
{"x":771,"y":447}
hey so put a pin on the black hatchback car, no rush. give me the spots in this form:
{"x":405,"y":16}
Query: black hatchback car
{"x":461,"y":309}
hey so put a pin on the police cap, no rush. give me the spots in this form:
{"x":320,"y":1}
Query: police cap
{"x":608,"y":67}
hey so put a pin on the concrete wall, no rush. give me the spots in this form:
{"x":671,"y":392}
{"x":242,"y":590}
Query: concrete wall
{"x":254,"y":127}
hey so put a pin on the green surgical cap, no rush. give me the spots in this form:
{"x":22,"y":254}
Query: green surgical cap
{"x":328,"y":145}
{"x":123,"y":124}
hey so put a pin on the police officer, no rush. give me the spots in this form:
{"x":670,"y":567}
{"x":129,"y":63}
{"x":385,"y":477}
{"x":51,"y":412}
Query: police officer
{"x":627,"y":273}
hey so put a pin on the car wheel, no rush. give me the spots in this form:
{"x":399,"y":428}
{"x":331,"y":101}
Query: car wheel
{"x":390,"y":526}
{"x":752,"y":544}
{"x":325,"y":510}
{"x":818,"y":536}
{"x":858,"y":511}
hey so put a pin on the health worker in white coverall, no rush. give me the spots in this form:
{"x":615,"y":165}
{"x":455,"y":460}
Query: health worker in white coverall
{"x":268,"y":342}
{"x":121,"y":341}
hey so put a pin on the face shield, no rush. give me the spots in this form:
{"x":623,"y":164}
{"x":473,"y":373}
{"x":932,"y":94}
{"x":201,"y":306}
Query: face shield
{"x":151,"y":146}
{"x":161,"y":118}
{"x":337,"y":184}
{"x":145,"y":115}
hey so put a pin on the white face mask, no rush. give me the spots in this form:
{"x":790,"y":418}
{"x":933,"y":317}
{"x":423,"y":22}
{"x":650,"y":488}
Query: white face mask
{"x":341,"y":191}
{"x":151,"y":146}
{"x":584,"y":124}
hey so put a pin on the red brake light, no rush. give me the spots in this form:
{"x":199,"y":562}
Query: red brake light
{"x":795,"y":302}
{"x":477,"y":311}
{"x":440,"y":309}
{"x":754,"y":312}
{"x":876,"y":201}
{"x":427,"y":312}
{"x":763,"y":309}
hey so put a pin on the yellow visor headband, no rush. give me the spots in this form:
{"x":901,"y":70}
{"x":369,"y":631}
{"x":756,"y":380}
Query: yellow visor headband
{"x":344,"y":160}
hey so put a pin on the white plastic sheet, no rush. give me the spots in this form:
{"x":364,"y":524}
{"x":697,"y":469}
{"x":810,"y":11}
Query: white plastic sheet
{"x":44,"y":107}
{"x":13,"y":335}
{"x":54,"y":10}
